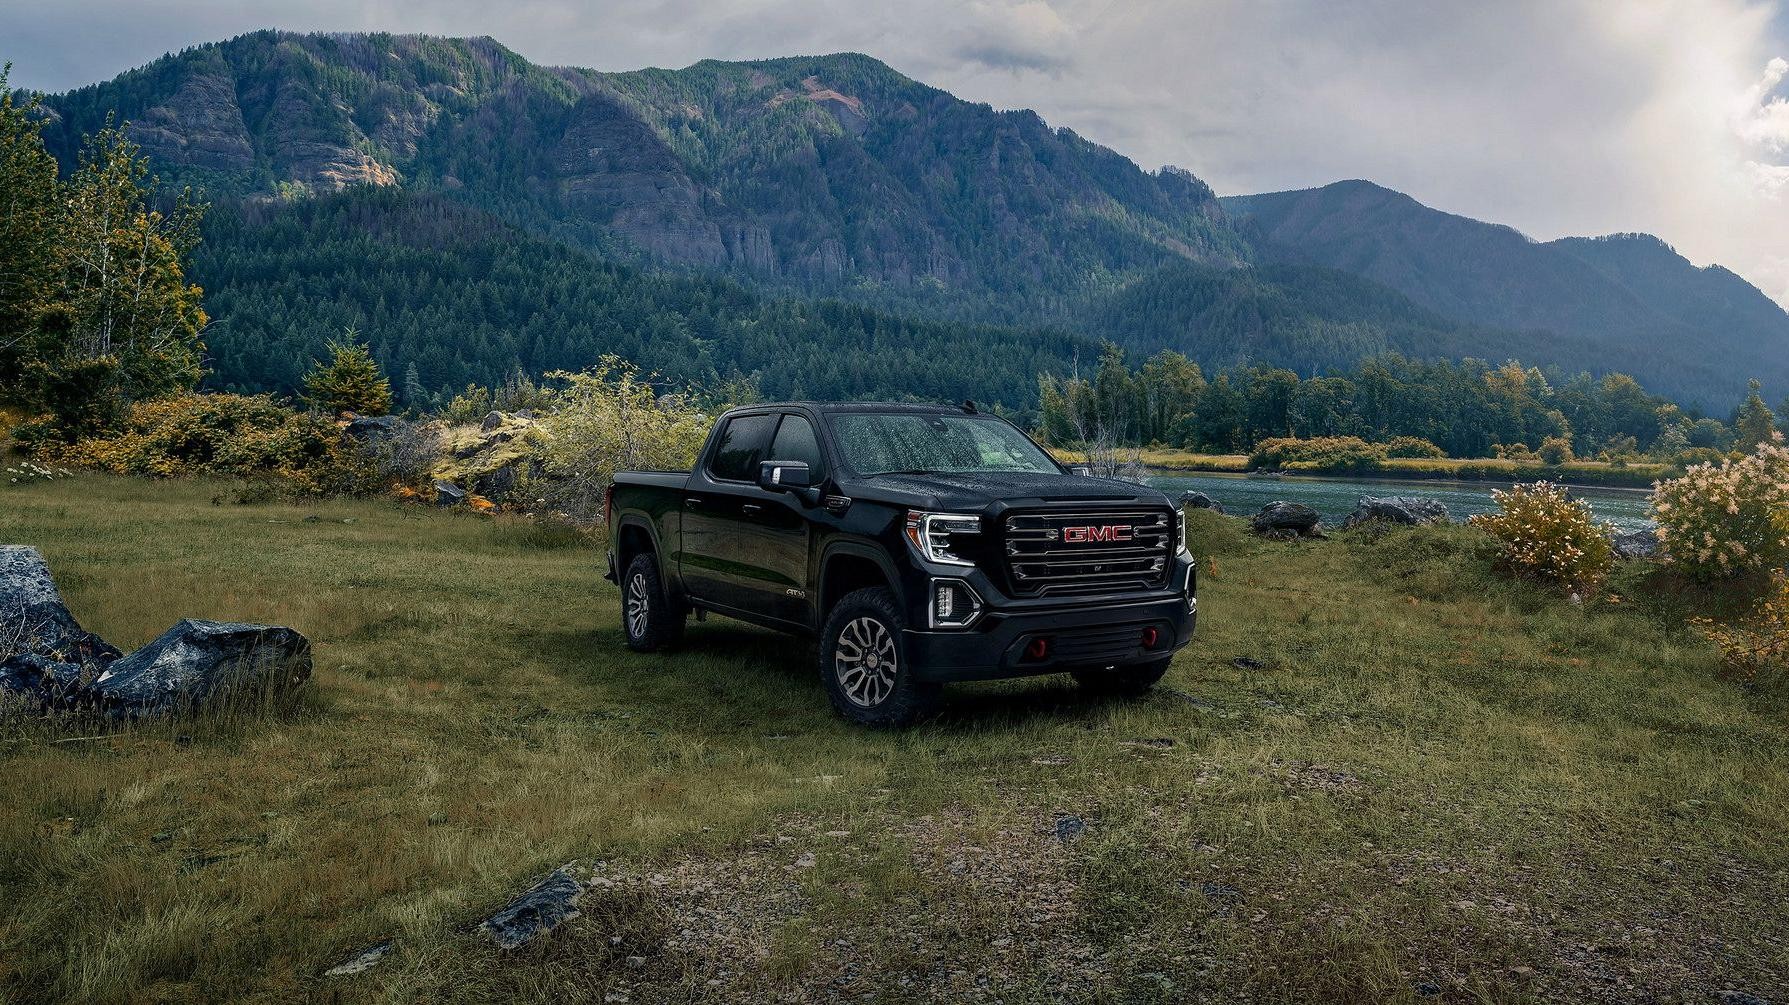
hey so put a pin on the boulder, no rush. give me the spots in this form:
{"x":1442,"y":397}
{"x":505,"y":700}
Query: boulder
{"x":1199,"y":500}
{"x":48,"y":659}
{"x":545,"y":906}
{"x":449,"y":494}
{"x":372,"y":428}
{"x":1412,"y":510}
{"x":1283,"y":518}
{"x":1642,"y":543}
{"x":202,"y":663}
{"x":493,"y":421}
{"x":44,"y":652}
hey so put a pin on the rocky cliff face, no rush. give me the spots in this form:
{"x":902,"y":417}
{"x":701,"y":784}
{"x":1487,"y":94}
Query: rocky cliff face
{"x":829,"y":169}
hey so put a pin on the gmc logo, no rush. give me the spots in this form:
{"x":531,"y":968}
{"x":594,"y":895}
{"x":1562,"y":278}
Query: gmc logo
{"x":1110,"y":532}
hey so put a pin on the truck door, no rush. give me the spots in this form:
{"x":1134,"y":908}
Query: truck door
{"x":714,"y":543}
{"x":781,"y":529}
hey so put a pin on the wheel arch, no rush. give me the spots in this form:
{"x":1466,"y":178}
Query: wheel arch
{"x":846,"y":567}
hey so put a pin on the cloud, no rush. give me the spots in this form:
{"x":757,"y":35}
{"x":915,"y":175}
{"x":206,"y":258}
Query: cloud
{"x":1555,"y":116}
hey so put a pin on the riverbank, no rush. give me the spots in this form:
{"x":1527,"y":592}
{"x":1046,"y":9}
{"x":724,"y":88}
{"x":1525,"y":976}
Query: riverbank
{"x":1465,"y":469}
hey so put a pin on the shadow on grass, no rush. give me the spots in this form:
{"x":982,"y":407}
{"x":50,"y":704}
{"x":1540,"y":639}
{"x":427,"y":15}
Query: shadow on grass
{"x":713,"y":654}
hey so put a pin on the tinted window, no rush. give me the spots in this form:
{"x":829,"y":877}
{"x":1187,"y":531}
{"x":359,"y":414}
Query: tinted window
{"x":875,"y":443}
{"x":795,"y":441}
{"x":741,"y":447}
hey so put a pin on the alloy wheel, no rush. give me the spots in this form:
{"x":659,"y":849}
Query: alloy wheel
{"x":637,"y":606}
{"x":865,"y":662}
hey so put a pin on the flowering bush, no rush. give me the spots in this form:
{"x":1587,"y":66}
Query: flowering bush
{"x":1546,"y":534}
{"x":1730,"y":518}
{"x":1761,"y":640}
{"x":28,"y":472}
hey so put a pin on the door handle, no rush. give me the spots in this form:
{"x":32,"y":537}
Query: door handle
{"x":692,"y":501}
{"x":751,"y":509}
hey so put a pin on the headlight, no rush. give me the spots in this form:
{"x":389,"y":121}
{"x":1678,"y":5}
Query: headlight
{"x":931,"y":533}
{"x":1180,"y":529}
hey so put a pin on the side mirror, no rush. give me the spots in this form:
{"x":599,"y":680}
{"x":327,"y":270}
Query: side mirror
{"x":1080,"y":469}
{"x":784,"y":476}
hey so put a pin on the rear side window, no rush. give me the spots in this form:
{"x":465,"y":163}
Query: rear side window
{"x":742,"y":444}
{"x":795,"y":441}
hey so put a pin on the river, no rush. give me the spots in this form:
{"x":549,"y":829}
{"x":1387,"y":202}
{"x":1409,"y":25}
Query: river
{"x":1335,"y":497}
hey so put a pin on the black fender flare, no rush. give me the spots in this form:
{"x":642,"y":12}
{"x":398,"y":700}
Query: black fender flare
{"x":854,"y":549}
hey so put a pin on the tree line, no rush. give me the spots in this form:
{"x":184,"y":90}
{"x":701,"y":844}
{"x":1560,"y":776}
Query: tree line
{"x":1468,"y":408}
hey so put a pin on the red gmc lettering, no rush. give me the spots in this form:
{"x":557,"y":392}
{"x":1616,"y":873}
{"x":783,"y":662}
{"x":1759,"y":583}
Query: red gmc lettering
{"x":1082,"y":535}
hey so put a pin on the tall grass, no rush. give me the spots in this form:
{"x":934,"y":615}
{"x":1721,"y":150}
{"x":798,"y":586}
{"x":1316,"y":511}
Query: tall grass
{"x":1382,"y":768}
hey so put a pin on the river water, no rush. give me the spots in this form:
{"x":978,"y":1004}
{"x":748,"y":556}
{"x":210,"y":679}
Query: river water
{"x":1335,"y":497}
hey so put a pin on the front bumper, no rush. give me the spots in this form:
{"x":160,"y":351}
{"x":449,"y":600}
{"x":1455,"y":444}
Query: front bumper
{"x":1086,"y":636}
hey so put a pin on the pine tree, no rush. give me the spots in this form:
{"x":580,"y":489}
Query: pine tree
{"x":349,"y":382}
{"x":414,"y":396}
{"x":1754,"y":422}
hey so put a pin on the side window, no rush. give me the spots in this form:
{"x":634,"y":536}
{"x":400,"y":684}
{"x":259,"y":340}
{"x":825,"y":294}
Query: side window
{"x":740,"y":447}
{"x":795,"y":441}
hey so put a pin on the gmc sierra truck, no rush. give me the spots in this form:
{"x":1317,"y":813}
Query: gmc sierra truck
{"x":920,"y":544}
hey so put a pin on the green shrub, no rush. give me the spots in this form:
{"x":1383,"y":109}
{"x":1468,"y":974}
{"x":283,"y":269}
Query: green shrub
{"x":244,"y":436}
{"x":1545,"y":534}
{"x":350,"y":382}
{"x":1415,"y":447}
{"x":1722,"y":520}
{"x":1556,"y":450}
{"x":1321,"y":453}
{"x":605,"y":419}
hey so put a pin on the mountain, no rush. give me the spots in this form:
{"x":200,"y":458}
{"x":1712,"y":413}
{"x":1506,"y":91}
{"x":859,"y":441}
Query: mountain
{"x":818,"y":173}
{"x":828,"y":178}
{"x":1694,"y":333}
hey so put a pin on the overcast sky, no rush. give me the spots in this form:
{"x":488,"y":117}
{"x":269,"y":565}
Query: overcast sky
{"x":1557,"y":117}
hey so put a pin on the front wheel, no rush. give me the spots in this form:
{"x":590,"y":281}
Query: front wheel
{"x":864,"y":665}
{"x":649,"y":618}
{"x":1126,"y":682}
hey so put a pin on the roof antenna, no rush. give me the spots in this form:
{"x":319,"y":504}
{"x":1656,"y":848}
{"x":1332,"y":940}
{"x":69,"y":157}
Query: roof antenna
{"x":969,"y":406}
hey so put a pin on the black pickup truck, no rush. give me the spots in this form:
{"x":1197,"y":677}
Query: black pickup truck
{"x":921,"y":544}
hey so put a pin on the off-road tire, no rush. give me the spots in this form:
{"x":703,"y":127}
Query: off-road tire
{"x":1124,"y":682}
{"x":650,"y":620}
{"x":861,"y":637}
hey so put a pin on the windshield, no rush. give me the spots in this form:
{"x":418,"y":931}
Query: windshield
{"x":879,"y":443}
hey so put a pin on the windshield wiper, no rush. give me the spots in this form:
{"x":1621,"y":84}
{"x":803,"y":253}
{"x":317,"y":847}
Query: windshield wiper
{"x":906,"y":471}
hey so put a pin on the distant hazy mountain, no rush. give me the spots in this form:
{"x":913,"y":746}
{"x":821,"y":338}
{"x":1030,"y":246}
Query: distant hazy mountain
{"x":1692,"y":332}
{"x":837,"y":177}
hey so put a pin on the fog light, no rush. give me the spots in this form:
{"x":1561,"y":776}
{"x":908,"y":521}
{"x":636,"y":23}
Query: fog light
{"x":1151,"y":636}
{"x":954,"y":604}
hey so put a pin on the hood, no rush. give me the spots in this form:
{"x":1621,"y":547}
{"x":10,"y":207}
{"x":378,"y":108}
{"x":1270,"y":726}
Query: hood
{"x":974,"y":491}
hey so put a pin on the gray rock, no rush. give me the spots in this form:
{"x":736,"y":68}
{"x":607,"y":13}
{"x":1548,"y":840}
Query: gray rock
{"x":373,"y":428}
{"x":361,"y":962}
{"x":449,"y":494}
{"x":1410,"y":510}
{"x":44,"y":652}
{"x":547,"y":904}
{"x":493,"y":421}
{"x":1285,"y":517}
{"x":1069,"y":827}
{"x":196,"y":664}
{"x":1642,"y":543}
{"x":1199,"y":500}
{"x":526,"y":413}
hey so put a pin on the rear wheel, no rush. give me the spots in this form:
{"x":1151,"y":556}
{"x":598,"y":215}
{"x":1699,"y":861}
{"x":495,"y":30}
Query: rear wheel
{"x":1127,"y":681}
{"x":649,"y":619}
{"x":864,"y":665}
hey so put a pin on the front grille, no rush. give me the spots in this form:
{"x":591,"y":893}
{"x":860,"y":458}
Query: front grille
{"x":1097,"y":645}
{"x":1088,"y":552}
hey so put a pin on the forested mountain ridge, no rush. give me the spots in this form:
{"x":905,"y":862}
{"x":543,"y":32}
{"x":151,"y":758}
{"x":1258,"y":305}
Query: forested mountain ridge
{"x":1696,"y":333}
{"x":448,"y":295}
{"x":822,"y":172}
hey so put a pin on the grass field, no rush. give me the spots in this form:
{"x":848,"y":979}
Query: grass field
{"x":1382,"y":773}
{"x":1639,"y":475}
